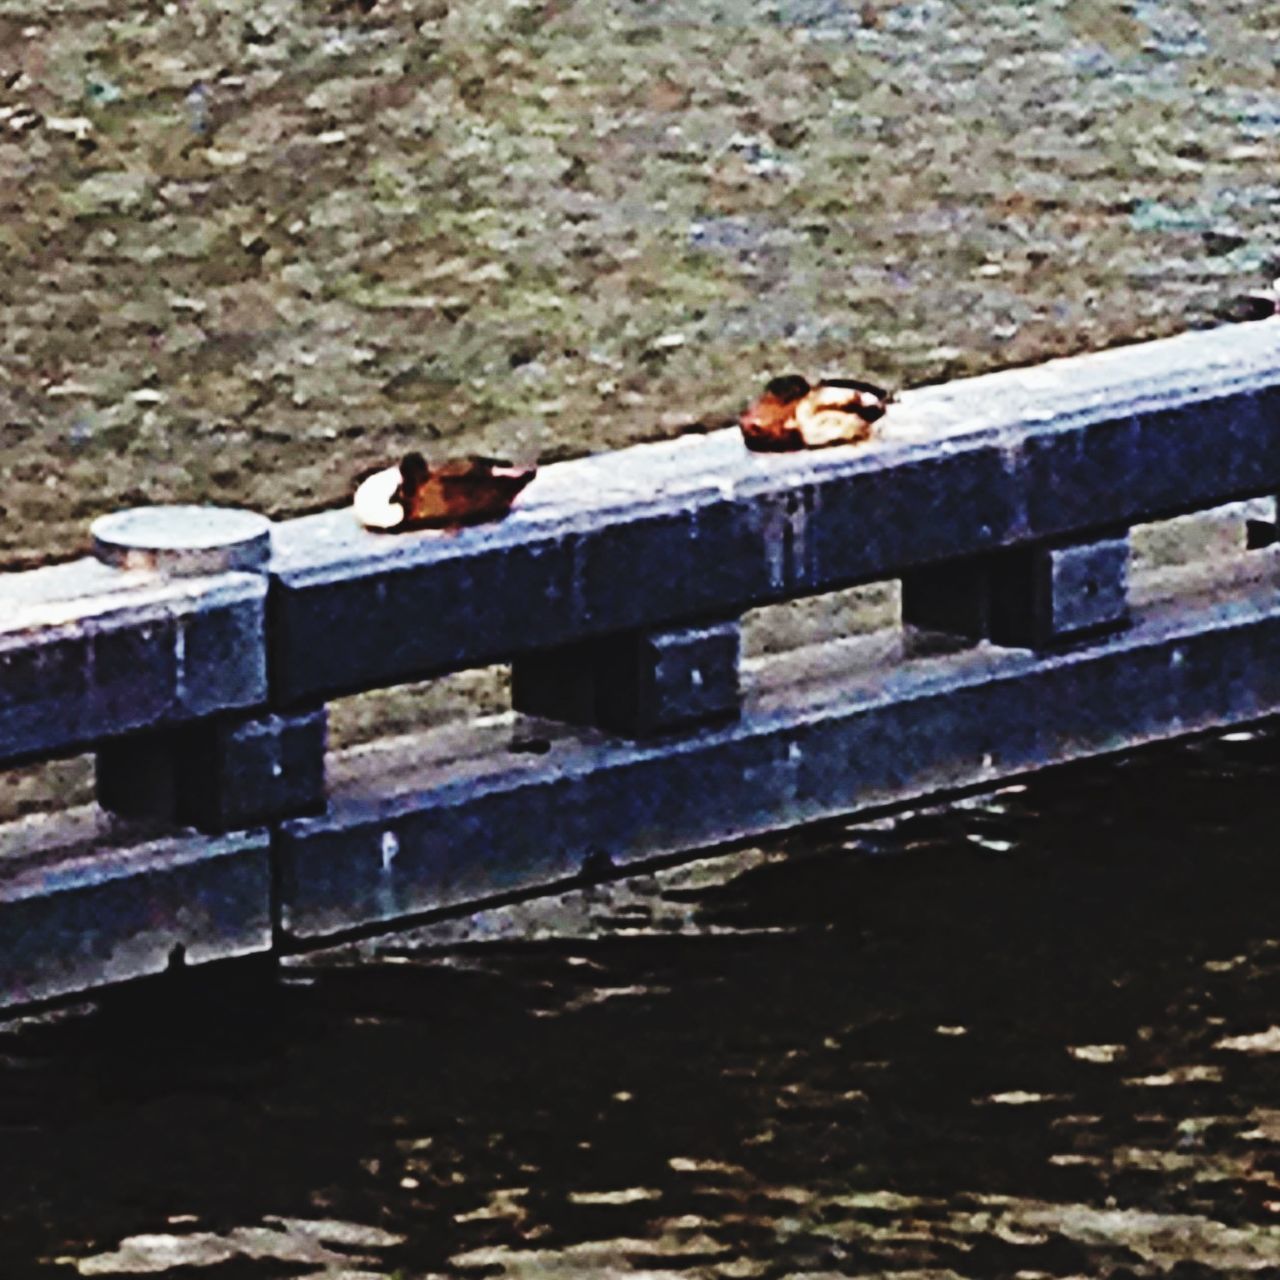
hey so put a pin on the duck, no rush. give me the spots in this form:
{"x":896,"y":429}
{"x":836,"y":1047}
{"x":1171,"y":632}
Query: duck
{"x":795,"y":414}
{"x":414,"y":494}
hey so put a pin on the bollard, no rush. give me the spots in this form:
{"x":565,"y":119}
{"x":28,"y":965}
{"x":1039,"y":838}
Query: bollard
{"x":183,"y":541}
{"x":224,"y":772}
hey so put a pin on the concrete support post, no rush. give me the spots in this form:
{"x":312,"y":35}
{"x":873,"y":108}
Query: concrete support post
{"x":637,"y":683}
{"x":226,"y":773}
{"x":1027,"y":597}
{"x":1263,"y":533}
{"x":221,"y":772}
{"x":954,"y":597}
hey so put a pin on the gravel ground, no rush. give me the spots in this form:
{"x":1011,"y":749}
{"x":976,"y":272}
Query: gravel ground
{"x":249,"y":249}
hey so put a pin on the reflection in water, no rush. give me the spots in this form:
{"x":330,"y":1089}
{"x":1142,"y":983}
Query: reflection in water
{"x":1031,"y":1033}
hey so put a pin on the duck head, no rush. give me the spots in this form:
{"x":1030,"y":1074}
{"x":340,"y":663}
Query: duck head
{"x":769,"y":423}
{"x":413,"y":475}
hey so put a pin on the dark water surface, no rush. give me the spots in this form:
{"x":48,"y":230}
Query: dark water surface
{"x":1033,"y":1033}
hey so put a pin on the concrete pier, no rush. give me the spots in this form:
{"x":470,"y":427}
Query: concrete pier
{"x":195,"y":652}
{"x":833,"y":729}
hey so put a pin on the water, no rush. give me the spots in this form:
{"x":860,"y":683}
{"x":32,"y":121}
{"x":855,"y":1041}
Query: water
{"x":1033,"y":1033}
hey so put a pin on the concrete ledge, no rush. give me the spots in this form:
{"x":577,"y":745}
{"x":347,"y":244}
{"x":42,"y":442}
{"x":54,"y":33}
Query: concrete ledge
{"x":671,"y":533}
{"x":452,"y":818}
{"x":88,"y":652}
{"x":85,"y":901}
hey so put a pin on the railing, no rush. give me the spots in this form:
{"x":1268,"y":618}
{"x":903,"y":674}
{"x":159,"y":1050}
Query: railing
{"x":614,"y":589}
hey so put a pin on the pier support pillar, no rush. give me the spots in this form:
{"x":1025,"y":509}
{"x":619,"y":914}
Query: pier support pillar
{"x":1027,"y":597}
{"x":639,"y":682}
{"x":1263,"y":533}
{"x":221,"y":774}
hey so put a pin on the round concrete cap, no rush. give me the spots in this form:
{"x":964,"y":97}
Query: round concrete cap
{"x":182,"y":541}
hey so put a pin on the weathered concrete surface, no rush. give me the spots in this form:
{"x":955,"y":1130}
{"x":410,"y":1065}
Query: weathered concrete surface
{"x":88,"y":652}
{"x":86,"y":901}
{"x":447,"y":819}
{"x":700,"y":527}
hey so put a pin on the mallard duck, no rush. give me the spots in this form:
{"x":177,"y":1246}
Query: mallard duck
{"x":457,"y":491}
{"x":792,"y":414}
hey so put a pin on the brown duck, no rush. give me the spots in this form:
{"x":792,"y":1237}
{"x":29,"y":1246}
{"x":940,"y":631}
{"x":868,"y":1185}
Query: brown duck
{"x":792,"y":414}
{"x":458,"y":491}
